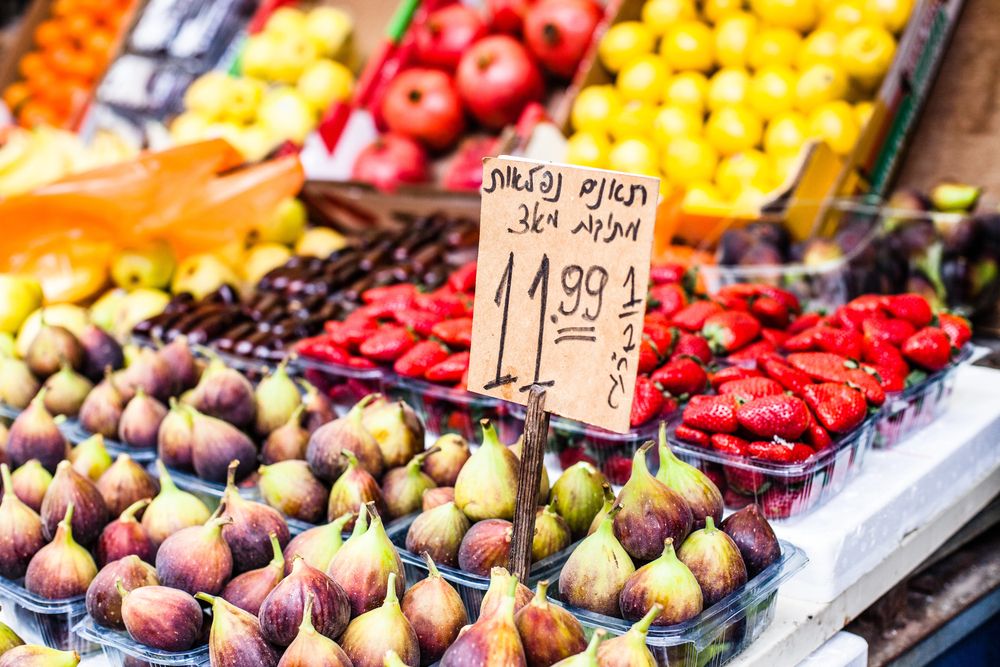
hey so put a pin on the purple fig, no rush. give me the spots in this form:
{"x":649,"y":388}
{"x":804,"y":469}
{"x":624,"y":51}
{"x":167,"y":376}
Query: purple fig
{"x":224,"y":393}
{"x":486,"y":545}
{"x":248,"y":590}
{"x":436,"y":613}
{"x":248,"y":533}
{"x":66,"y":391}
{"x":148,"y":371}
{"x":139,"y":425}
{"x":62,"y":568}
{"x":161,"y":617}
{"x":235,"y":639}
{"x":35,"y":435}
{"x":290,"y":487}
{"x":196,"y":559}
{"x":715,"y":561}
{"x":548,"y":632}
{"x":175,"y":438}
{"x":52,"y":347}
{"x":215,"y":443}
{"x":30,"y":482}
{"x":21,"y":532}
{"x":403,"y":488}
{"x":353,"y":488}
{"x":444,"y":465}
{"x":317,"y":546}
{"x":104,"y":600}
{"x":437,"y":496}
{"x":382,"y":629}
{"x":439,"y":532}
{"x":102,"y":351}
{"x":282,"y":611}
{"x":492,"y":640}
{"x":125,"y":536}
{"x":327,"y":444}
{"x":318,"y":409}
{"x":287,"y":442}
{"x":172,"y":509}
{"x":102,"y":409}
{"x":70,"y":487}
{"x":312,"y":649}
{"x":124,"y":483}
{"x":183,"y":366}
{"x":363,"y":563}
{"x":17,"y":385}
{"x":665,"y":581}
{"x":754,"y":537}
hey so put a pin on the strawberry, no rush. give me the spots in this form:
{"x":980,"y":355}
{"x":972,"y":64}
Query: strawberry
{"x":420,"y":358}
{"x":891,"y":330}
{"x":730,"y":301}
{"x":647,"y":403}
{"x":715,"y":414}
{"x":323,"y":349}
{"x":776,"y":337}
{"x":360,"y":362}
{"x":864,"y":379}
{"x":443,"y":303}
{"x":745,"y":481}
{"x":782,"y":502}
{"x":667,"y":299}
{"x":729,"y":444}
{"x":654,"y":317}
{"x":873,"y":304}
{"x":617,"y":469}
{"x":731,"y":373}
{"x":838,"y":407}
{"x":733,"y":499}
{"x":821,"y":366}
{"x":768,"y":416}
{"x":463,"y":279}
{"x":715,"y":474}
{"x":891,"y":378}
{"x":692,"y":345}
{"x":401,"y":295}
{"x":572,"y":455}
{"x":420,"y":321}
{"x":681,"y":376}
{"x":388,"y":343}
{"x":803,"y":341}
{"x":816,"y":435}
{"x":929,"y":348}
{"x":770,"y":311}
{"x":692,"y":435}
{"x":661,"y":337}
{"x":910,"y":307}
{"x":803,"y":322}
{"x":731,"y":330}
{"x":853,"y":320}
{"x":751,"y":388}
{"x":666,"y":273}
{"x":783,"y":296}
{"x":779,"y":451}
{"x":353,"y":331}
{"x":839,"y":341}
{"x":790,"y":378}
{"x":957,"y":328}
{"x":648,"y":358}
{"x":450,"y":369}
{"x":692,"y":317}
{"x":751,"y":353}
{"x":886,"y":355}
{"x":455,"y":333}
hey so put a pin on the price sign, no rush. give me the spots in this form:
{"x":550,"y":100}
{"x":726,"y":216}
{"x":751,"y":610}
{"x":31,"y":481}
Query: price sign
{"x":561,"y":286}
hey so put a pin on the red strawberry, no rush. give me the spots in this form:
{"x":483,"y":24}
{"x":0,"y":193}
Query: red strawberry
{"x":617,"y":469}
{"x":456,"y":333}
{"x":868,"y":384}
{"x":733,"y":499}
{"x":958,"y":329}
{"x":804,"y":341}
{"x":421,"y":321}
{"x":869,"y":303}
{"x":420,"y":358}
{"x":929,"y":348}
{"x":693,"y":316}
{"x":401,"y":295}
{"x":667,"y":299}
{"x":752,"y":388}
{"x":803,"y":322}
{"x":443,"y":303}
{"x":790,"y":378}
{"x":838,"y":407}
{"x":450,"y":369}
{"x":779,"y":451}
{"x":693,"y":345}
{"x":731,"y":330}
{"x":463,"y":279}
{"x":890,"y":330}
{"x":891,"y":378}
{"x":647,"y":403}
{"x":770,"y":311}
{"x":714,"y":472}
{"x":731,"y":373}
{"x":715,"y":414}
{"x":821,"y":366}
{"x":786,"y":298}
{"x":360,"y":362}
{"x":730,"y":301}
{"x":654,"y":317}
{"x":661,"y":337}
{"x":729,"y":444}
{"x":681,"y":376}
{"x":886,"y":355}
{"x":323,"y":349}
{"x":571,"y":455}
{"x":648,"y":358}
{"x":910,"y":307}
{"x":817,"y":436}
{"x":388,"y":343}
{"x":783,"y":416}
{"x":666,"y":273}
{"x":853,"y":320}
{"x":353,"y":331}
{"x":745,"y":481}
{"x":839,"y":341}
{"x":782,"y":502}
{"x":692,"y":435}
{"x":775,"y":337}
{"x":751,"y":353}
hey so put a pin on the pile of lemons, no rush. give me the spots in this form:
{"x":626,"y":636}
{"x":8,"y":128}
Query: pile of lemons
{"x":719,"y":96}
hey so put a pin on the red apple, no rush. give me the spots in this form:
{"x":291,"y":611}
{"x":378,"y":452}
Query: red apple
{"x":496,"y":79}
{"x":558,"y":33}
{"x":390,"y":161}
{"x":423,"y":105}
{"x":507,"y":15}
{"x":446,"y":34}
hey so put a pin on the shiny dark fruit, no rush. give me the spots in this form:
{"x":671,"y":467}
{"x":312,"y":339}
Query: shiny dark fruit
{"x":327,"y":444}
{"x":52,"y":347}
{"x":196,"y":559}
{"x":90,"y":512}
{"x":124,"y":483}
{"x":148,"y":371}
{"x":102,"y":351}
{"x":437,"y":496}
{"x":184,"y":368}
{"x":175,"y":438}
{"x":251,"y":525}
{"x":436,"y":613}
{"x":21,"y":532}
{"x":139,"y":425}
{"x":754,"y":537}
{"x":104,"y":600}
{"x":548,"y":632}
{"x":215,"y":444}
{"x":34,"y":434}
{"x":62,"y":568}
{"x":224,"y":393}
{"x":318,"y":409}
{"x":102,"y":409}
{"x":125,"y":536}
{"x":283,"y":609}
{"x":287,"y":442}
{"x":235,"y":639}
{"x":161,"y":617}
{"x":312,"y":649}
{"x":486,"y":545}
{"x":248,"y":590}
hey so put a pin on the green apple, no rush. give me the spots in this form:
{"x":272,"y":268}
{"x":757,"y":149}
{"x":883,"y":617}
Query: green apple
{"x":285,"y":113}
{"x":325,"y":82}
{"x":151,"y":266}
{"x":19,"y":296}
{"x":263,"y":257}
{"x":329,"y":29}
{"x":285,"y":225}
{"x":202,"y":274}
{"x":64,"y":315}
{"x":6,"y":344}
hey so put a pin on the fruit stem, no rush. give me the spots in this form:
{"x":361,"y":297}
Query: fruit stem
{"x":709,"y":524}
{"x":373,"y":514}
{"x":489,"y":434}
{"x":166,"y":481}
{"x":8,"y":484}
{"x":296,"y":416}
{"x":279,"y":558}
{"x":352,"y":460}
{"x":342,"y":521}
{"x":361,"y":525}
{"x":307,"y":625}
{"x":120,"y":587}
{"x":39,"y":398}
{"x":390,"y":591}
{"x":418,"y":460}
{"x":128,"y":514}
{"x":665,"y":452}
{"x":594,"y":641}
{"x":432,"y":570}
{"x":231,"y":475}
{"x":641,"y":626}
{"x":639,"y":460}
{"x":205,"y":597}
{"x":668,"y":548}
{"x":66,"y":525}
{"x":541,"y":591}
{"x":359,"y":407}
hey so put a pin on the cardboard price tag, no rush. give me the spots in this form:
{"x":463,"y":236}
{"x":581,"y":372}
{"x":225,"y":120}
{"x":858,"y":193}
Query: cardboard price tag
{"x":561,"y":286}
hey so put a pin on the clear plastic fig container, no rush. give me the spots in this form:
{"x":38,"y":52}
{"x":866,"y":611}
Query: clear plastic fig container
{"x":76,"y":434}
{"x":783,"y":491}
{"x":38,"y":620}
{"x":120,"y":649}
{"x":343,"y":385}
{"x":717,"y":634}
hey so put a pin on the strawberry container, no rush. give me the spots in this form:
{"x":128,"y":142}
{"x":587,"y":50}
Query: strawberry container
{"x":343,"y":385}
{"x":784,"y":491}
{"x":718,"y":633}
{"x":38,"y":620}
{"x":120,"y":649}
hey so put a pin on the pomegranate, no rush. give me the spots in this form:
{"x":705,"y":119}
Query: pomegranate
{"x":423,"y":105}
{"x":558,"y":33}
{"x":447,"y":33}
{"x":390,"y":161}
{"x":496,"y":78}
{"x":507,"y":15}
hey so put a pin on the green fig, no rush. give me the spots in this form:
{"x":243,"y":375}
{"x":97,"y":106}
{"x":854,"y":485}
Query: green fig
{"x":487,"y":484}
{"x":403,"y":488}
{"x":291,"y":488}
{"x":31,"y":481}
{"x":715,"y":561}
{"x":385,"y":628}
{"x":8,"y":639}
{"x":630,"y":649}
{"x":666,"y":581}
{"x":443,"y":466}
{"x":32,"y":655}
{"x":589,"y":657}
{"x":353,"y":488}
{"x":277,"y":397}
{"x":17,"y":384}
{"x":66,"y":391}
{"x":90,"y":458}
{"x":312,"y":649}
{"x":317,"y":546}
{"x":595,"y":572}
{"x":577,"y":496}
{"x":175,"y":437}
{"x":955,"y":197}
{"x":172,"y":509}
{"x":363,"y":564}
{"x":397,"y":430}
{"x":701,"y":493}
{"x":552,"y":534}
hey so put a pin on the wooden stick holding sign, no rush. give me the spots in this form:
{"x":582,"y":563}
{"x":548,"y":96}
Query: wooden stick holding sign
{"x":536,"y":434}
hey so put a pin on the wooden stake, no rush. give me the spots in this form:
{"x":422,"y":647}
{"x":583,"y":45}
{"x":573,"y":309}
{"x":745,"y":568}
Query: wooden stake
{"x":536,"y":434}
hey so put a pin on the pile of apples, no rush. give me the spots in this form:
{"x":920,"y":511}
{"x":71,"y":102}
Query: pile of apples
{"x":473,"y":69}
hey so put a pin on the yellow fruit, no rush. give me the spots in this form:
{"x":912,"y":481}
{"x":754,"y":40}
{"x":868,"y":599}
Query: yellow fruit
{"x":733,"y":129}
{"x":594,"y":108}
{"x":773,"y":46}
{"x":843,"y":15}
{"x":201,"y":274}
{"x":64,"y":315}
{"x":293,"y":54}
{"x":623,"y":43}
{"x":715,"y":10}
{"x":188,"y":127}
{"x":255,"y":142}
{"x":138,"y":305}
{"x":675,"y":121}
{"x":635,"y":156}
{"x":209,"y":95}
{"x":245,"y":95}
{"x":325,"y":82}
{"x":772,"y":91}
{"x":20,"y":295}
{"x":329,"y":29}
{"x":866,"y":53}
{"x":286,"y":21}
{"x":820,"y":46}
{"x":728,"y":87}
{"x":784,"y":167}
{"x":319,"y":242}
{"x":634,"y":119}
{"x":785,"y":134}
{"x":104,"y":311}
{"x":689,"y":160}
{"x":689,"y":45}
{"x":863,"y":112}
{"x":150,"y":266}
{"x":259,"y":55}
{"x":892,"y":14}
{"x":263,"y":257}
{"x":836,"y":124}
{"x":732,"y":38}
{"x":287,"y":114}
{"x":798,"y":15}
{"x":748,"y":202}
{"x":643,"y":79}
{"x":285,"y":225}
{"x":659,"y":15}
{"x":746,"y":169}
{"x":820,"y":84}
{"x":588,"y":149}
{"x":703,"y":198}
{"x":687,"y":89}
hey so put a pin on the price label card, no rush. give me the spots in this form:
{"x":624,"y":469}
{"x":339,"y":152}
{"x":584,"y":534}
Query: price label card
{"x":561,"y":286}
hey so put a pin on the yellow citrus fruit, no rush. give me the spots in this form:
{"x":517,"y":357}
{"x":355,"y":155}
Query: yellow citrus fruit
{"x":634,"y":119}
{"x":594,"y":108}
{"x":732,"y":38}
{"x":836,"y":124}
{"x":773,"y":46}
{"x":866,"y":53}
{"x":785,"y":134}
{"x":772,"y":91}
{"x":588,"y":149}
{"x":704,"y":198}
{"x":624,"y":42}
{"x":635,"y":156}
{"x":659,"y":15}
{"x":798,"y":15}
{"x":819,"y":46}
{"x":783,"y":167}
{"x":749,"y":202}
{"x":891,"y":14}
{"x":863,"y":112}
{"x":746,"y":169}
{"x":714,"y":10}
{"x":819,"y":84}
{"x":728,"y":87}
{"x":688,"y":89}
{"x":733,"y":129}
{"x":843,"y":15}
{"x":643,"y":79}
{"x":673,"y":120}
{"x":689,"y":160}
{"x":689,"y":45}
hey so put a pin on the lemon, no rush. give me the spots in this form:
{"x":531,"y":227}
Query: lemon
{"x":689,"y":160}
{"x":798,"y":15}
{"x":843,"y":15}
{"x":594,"y":108}
{"x":773,"y":46}
{"x":704,"y":198}
{"x":733,"y":129}
{"x":673,"y":120}
{"x":891,"y":14}
{"x":635,"y":156}
{"x":659,"y":15}
{"x":819,"y":84}
{"x":785,"y":134}
{"x":643,"y":79}
{"x":749,"y":202}
{"x":634,"y":119}
{"x":820,"y":46}
{"x":772,"y":91}
{"x":732,"y":38}
{"x":836,"y":124}
{"x":746,"y":169}
{"x":866,"y":53}
{"x":687,"y":89}
{"x":727,"y":87}
{"x":623,"y":43}
{"x":689,"y":45}
{"x":784,"y":167}
{"x":714,"y":10}
{"x":863,"y":112}
{"x":588,"y":149}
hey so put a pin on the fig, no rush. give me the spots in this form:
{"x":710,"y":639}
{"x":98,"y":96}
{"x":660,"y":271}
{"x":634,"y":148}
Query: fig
{"x":287,"y":442}
{"x":754,"y":537}
{"x":101,"y":350}
{"x":62,"y":568}
{"x":139,"y":424}
{"x":715,"y":561}
{"x":317,"y":546}
{"x":33,"y":655}
{"x":439,"y":532}
{"x":327,"y":444}
{"x":353,"y":488}
{"x":552,"y":534}
{"x":317,"y":409}
{"x":397,"y":430}
{"x":499,"y":581}
{"x":90,"y":511}
{"x":548,"y":633}
{"x":403,"y":488}
{"x":609,"y":503}
{"x":363,"y":563}
{"x":291,"y":488}
{"x":650,"y":512}
{"x":437,"y":496}
{"x":487,"y":484}
{"x":312,"y":649}
{"x":435,"y":612}
{"x":102,"y":409}
{"x":21,"y":532}
{"x":175,"y":437}
{"x":90,"y":458}
{"x":248,"y":590}
{"x":214,"y":444}
{"x":665,"y":581}
{"x":161,"y":617}
{"x":543,"y":482}
{"x":589,"y":657}
{"x":225,"y":394}
{"x":30,"y":482}
{"x":630,"y":649}
{"x":444,"y":464}
{"x":17,"y":385}
{"x":125,"y":536}
{"x":104,"y":599}
{"x":235,"y":639}
{"x":66,"y":391}
{"x":486,"y":545}
{"x":172,"y":509}
{"x":148,"y":371}
{"x":184,"y":368}
{"x":276,"y":398}
{"x":124,"y":483}
{"x":248,"y":533}
{"x":492,"y":640}
{"x":577,"y":496}
{"x":283,"y":609}
{"x":34,"y":434}
{"x":595,"y":572}
{"x":385,"y":628}
{"x":196,"y":559}
{"x":8,"y":639}
{"x":52,"y":347}
{"x":701,"y":493}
